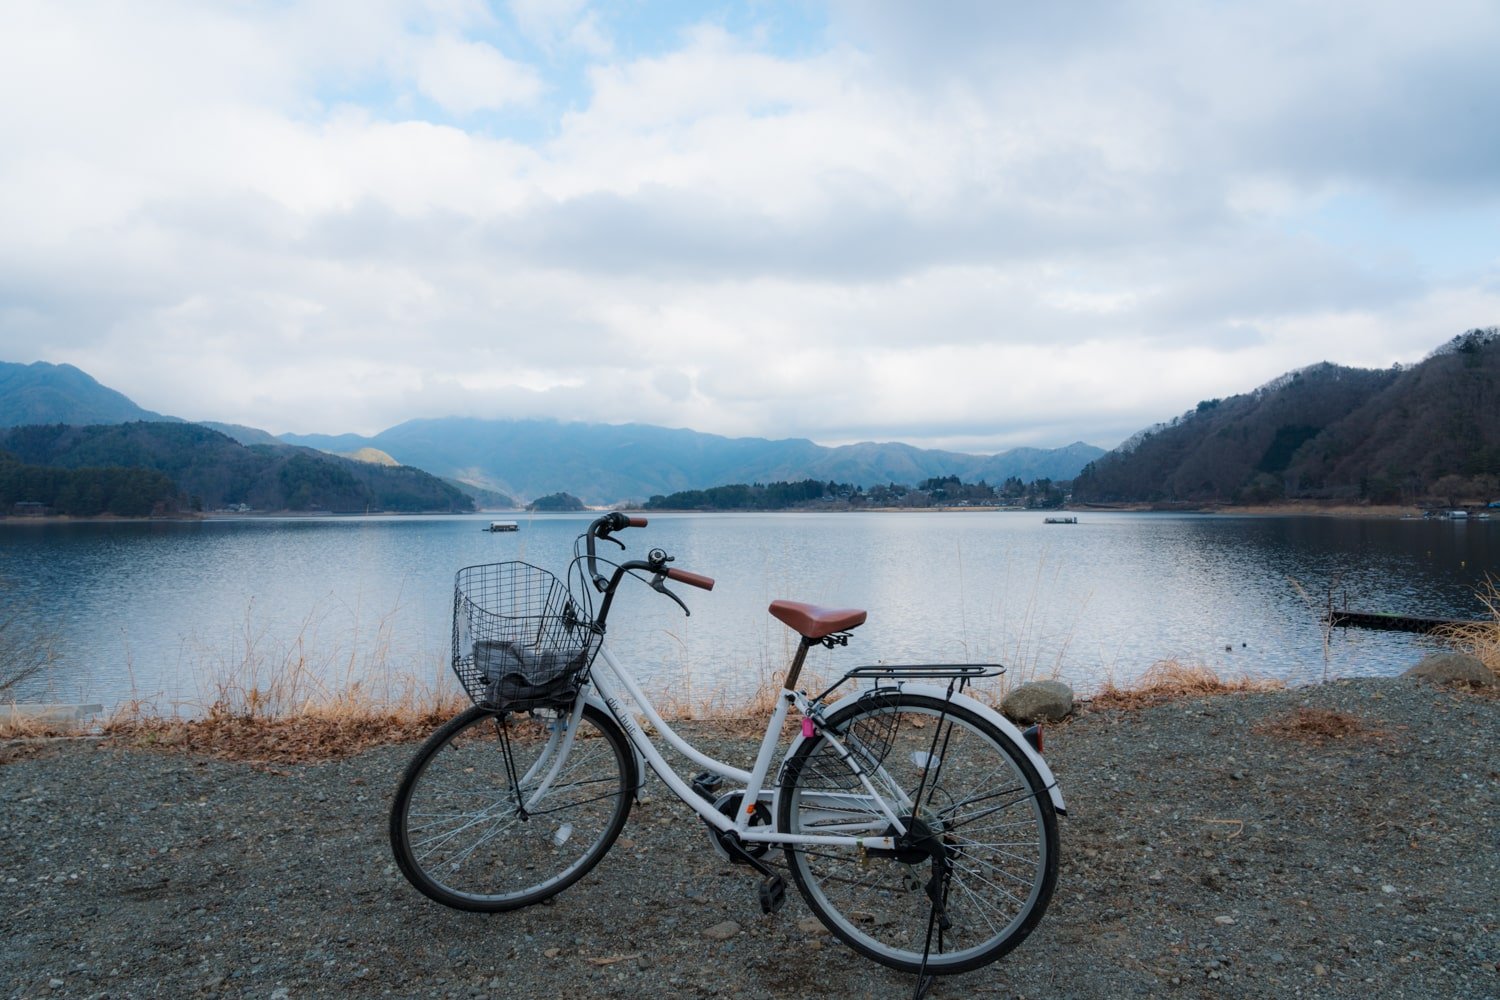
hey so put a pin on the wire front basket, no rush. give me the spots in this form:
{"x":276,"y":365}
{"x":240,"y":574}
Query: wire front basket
{"x":520,"y":639}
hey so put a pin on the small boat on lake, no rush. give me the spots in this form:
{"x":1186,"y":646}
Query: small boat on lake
{"x":503,"y":526}
{"x":1059,"y":520}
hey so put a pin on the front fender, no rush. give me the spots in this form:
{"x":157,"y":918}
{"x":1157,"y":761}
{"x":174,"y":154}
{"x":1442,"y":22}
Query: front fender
{"x":979,"y":708}
{"x":592,"y":698}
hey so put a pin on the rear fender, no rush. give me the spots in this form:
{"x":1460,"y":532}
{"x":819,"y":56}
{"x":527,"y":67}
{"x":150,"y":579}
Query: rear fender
{"x":979,"y":708}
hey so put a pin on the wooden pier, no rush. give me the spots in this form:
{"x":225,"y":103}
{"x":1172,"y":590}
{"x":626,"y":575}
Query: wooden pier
{"x":1388,"y":621}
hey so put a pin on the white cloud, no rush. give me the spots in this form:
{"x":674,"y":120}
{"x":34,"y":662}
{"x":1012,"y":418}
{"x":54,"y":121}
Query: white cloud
{"x":984,"y":224}
{"x":464,"y":77}
{"x":551,"y":24}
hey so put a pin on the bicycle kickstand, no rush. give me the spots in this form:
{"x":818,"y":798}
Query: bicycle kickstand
{"x":937,"y":917}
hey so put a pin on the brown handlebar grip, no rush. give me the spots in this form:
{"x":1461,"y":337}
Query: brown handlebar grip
{"x":635,"y":522}
{"x":691,"y":579}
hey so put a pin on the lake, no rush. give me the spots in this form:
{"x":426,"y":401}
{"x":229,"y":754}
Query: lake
{"x":164,"y":612}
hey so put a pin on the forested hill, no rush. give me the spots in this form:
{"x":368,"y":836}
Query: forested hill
{"x":210,"y":471}
{"x":43,"y":393}
{"x":1430,"y":431}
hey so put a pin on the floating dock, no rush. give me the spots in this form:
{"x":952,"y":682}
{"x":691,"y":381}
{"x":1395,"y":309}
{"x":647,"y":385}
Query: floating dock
{"x":1389,"y":622}
{"x":1059,"y":520}
{"x":503,"y":526}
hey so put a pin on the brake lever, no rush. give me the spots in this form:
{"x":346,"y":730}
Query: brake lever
{"x":659,"y":584}
{"x":612,"y":538}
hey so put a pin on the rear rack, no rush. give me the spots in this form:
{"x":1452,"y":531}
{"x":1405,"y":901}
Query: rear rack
{"x":967,"y":671}
{"x":958,"y":675}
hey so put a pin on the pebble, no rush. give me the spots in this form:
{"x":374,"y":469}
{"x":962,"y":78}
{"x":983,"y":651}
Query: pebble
{"x":722,"y":931}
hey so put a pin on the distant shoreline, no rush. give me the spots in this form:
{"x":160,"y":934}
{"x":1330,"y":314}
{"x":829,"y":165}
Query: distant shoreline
{"x":1290,"y":509}
{"x":1309,"y":508}
{"x":227,"y":516}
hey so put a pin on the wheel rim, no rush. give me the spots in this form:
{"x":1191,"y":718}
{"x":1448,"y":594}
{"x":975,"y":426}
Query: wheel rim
{"x":999,"y":836}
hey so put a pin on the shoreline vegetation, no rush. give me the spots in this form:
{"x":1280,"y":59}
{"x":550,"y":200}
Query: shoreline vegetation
{"x":348,"y":724}
{"x":1289,"y":508}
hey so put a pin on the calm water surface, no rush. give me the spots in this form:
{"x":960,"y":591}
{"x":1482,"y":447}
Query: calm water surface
{"x":165,"y":611}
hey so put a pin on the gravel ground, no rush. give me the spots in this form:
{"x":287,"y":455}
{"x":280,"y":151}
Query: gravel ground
{"x":1213,"y":848}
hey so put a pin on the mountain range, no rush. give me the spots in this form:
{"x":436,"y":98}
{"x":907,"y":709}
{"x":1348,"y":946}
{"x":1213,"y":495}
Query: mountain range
{"x":1402,"y":434}
{"x":601,"y":463}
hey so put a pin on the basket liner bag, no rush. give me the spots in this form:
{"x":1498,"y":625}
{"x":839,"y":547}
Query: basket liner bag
{"x":516,"y":676}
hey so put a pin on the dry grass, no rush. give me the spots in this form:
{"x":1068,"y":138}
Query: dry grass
{"x":1171,"y":680}
{"x":279,"y":741}
{"x":280,"y":703}
{"x":25,"y":727}
{"x":338,"y":723}
{"x":1317,"y":726}
{"x":1480,"y":639}
{"x":22,"y":656}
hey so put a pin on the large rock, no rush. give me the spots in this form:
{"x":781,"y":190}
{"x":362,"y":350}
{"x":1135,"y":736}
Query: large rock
{"x":1453,"y":668}
{"x":1039,"y":701}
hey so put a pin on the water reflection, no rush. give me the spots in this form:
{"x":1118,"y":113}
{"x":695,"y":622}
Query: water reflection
{"x":150,"y":610}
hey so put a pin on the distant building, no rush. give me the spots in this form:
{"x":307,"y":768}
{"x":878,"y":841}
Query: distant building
{"x":30,"y":508}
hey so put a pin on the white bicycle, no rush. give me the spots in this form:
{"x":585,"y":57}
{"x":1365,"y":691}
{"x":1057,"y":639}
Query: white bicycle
{"x":919,"y":824}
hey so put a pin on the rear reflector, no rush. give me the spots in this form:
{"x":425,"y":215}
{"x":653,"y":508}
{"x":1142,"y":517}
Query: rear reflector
{"x":1033,"y":736}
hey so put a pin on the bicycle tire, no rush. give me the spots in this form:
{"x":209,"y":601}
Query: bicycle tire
{"x":980,"y":796}
{"x":459,"y":827}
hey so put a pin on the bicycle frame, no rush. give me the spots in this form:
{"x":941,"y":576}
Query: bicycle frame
{"x":754,"y":780}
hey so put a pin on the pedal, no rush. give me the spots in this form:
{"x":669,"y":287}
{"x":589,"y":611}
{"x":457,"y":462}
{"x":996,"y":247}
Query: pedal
{"x":772,"y":894}
{"x":707,"y":785}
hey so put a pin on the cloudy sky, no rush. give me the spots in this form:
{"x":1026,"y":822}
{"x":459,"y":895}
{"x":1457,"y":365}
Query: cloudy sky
{"x":970,"y":224}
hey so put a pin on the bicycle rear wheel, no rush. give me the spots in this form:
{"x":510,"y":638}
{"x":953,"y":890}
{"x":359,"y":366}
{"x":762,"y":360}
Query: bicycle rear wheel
{"x":967,"y":786}
{"x":498,"y":811}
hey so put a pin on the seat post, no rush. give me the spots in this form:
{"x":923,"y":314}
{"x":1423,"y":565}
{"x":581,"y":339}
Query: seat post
{"x":791,"y":675}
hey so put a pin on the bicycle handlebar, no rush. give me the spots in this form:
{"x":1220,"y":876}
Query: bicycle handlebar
{"x":615,"y":521}
{"x":691,"y":579}
{"x":605,"y":527}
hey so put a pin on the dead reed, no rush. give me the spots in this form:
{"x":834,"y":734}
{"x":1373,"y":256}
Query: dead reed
{"x":280,"y":702}
{"x":1171,"y":680}
{"x":1480,"y":639}
{"x":22,"y":656}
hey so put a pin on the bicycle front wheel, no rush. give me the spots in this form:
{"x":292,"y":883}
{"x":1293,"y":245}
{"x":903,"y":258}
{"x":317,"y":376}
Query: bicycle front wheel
{"x":954,"y":779}
{"x":501,"y":810}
